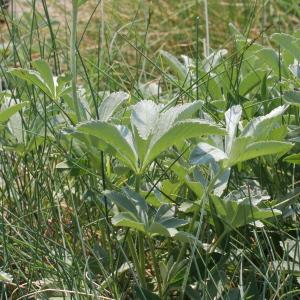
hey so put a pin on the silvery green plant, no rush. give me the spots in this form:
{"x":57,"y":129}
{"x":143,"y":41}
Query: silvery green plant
{"x":153,"y":130}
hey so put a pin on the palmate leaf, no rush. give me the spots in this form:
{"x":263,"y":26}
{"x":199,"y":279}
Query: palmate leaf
{"x":148,"y":121}
{"x":180,"y":131}
{"x":118,"y":137}
{"x":153,"y":132}
{"x":144,"y":117}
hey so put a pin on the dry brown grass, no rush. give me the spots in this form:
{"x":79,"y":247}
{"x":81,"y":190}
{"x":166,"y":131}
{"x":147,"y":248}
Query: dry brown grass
{"x":156,"y":24}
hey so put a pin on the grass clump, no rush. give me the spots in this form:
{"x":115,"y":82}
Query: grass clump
{"x":141,"y":160}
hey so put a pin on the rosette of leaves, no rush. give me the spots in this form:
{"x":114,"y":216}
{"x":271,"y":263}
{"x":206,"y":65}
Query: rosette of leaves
{"x":153,"y":130}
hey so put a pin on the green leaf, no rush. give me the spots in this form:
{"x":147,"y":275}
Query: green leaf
{"x":204,"y":153}
{"x":250,"y":81}
{"x":261,"y":127}
{"x":34,"y":78}
{"x":159,"y":229}
{"x":292,"y":97}
{"x":118,"y":137}
{"x":293,"y":159}
{"x":63,"y":86}
{"x":287,"y":42}
{"x":181,"y":131}
{"x":42,"y":77}
{"x":121,"y":201}
{"x":8,"y":112}
{"x":270,"y":57}
{"x":110,"y":104}
{"x":127,"y":219}
{"x":232,"y":118}
{"x":177,"y":67}
{"x":45,"y":72}
{"x":236,"y":213}
{"x":164,"y":223}
{"x":130,"y":201}
{"x":244,"y":150}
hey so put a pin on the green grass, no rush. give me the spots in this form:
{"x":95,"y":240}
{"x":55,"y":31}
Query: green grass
{"x":93,"y":210}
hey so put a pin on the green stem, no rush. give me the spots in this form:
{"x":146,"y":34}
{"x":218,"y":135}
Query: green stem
{"x":137,"y":183}
{"x":197,"y":210}
{"x":141,"y":238}
{"x":156,"y":267}
{"x":140,"y":272}
{"x":73,"y":58}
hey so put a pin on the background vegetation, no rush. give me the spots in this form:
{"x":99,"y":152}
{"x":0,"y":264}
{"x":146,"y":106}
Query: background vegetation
{"x":149,"y":150}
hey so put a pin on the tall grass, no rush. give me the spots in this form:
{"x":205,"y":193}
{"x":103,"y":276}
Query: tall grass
{"x":57,"y":238}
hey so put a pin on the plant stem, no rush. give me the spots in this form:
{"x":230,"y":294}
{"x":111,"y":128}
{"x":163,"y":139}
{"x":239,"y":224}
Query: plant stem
{"x":73,"y":58}
{"x":140,"y":272}
{"x":156,"y":267}
{"x":141,"y":238}
{"x":197,"y":210}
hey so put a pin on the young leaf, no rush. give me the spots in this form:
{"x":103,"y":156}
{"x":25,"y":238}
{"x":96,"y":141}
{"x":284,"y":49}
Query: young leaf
{"x":144,"y":117}
{"x":110,"y":104}
{"x":232,"y":118}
